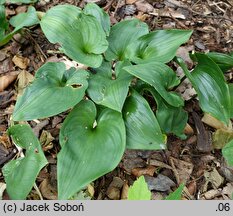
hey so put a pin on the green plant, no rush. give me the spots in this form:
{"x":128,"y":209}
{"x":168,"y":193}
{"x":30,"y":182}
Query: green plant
{"x":109,"y":112}
{"x":139,"y":191}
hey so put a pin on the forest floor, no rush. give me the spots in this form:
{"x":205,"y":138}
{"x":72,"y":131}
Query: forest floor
{"x":205,"y":175}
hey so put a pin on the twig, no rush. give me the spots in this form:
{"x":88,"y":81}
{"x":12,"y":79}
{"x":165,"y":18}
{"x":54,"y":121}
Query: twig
{"x":39,"y":50}
{"x":38,"y":191}
{"x":108,"y":5}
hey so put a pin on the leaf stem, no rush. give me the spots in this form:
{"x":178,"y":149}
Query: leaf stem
{"x":40,"y":14}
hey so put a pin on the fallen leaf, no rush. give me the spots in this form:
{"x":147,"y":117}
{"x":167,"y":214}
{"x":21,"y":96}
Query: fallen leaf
{"x":142,"y":16}
{"x":227,"y":172}
{"x":188,"y":130}
{"x":2,"y":189}
{"x":3,"y":54}
{"x":183,"y":52}
{"x":228,"y":190}
{"x":47,"y":190}
{"x":130,"y":1}
{"x":157,"y":163}
{"x":24,"y":78}
{"x":160,"y":183}
{"x":113,"y":193}
{"x":182,"y":170}
{"x":214,"y":178}
{"x":149,"y":170}
{"x":129,"y":164}
{"x":6,"y":65}
{"x":124,"y":191}
{"x":211,"y":194}
{"x":192,"y":187}
{"x":6,"y":80}
{"x":21,"y":62}
{"x":144,"y":6}
{"x":114,"y":189}
{"x":213,"y":122}
{"x":46,"y":140}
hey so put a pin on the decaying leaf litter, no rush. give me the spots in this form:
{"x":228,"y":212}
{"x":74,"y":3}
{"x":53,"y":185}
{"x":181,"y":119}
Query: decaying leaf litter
{"x":204,"y":172}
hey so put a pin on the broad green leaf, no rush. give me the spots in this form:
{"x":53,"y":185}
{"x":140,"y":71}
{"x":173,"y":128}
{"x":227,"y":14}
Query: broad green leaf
{"x":81,"y":36}
{"x":122,"y":35}
{"x":3,"y":22}
{"x":108,"y":91}
{"x":231,"y":96}
{"x":100,"y":15}
{"x":142,"y":128}
{"x":227,"y":153}
{"x":161,"y":77}
{"x":171,"y":119}
{"x":25,"y":19}
{"x":20,"y":174}
{"x":139,"y":190}
{"x":157,"y":46}
{"x":2,"y":2}
{"x":176,"y":195}
{"x":53,"y":91}
{"x":91,"y":147}
{"x":20,"y":21}
{"x":212,"y":90}
{"x":224,"y":61}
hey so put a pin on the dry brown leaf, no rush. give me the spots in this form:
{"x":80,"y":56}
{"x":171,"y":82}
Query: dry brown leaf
{"x":182,"y":169}
{"x":144,"y":6}
{"x":192,"y":187}
{"x":209,"y":195}
{"x":124,"y":191}
{"x":114,"y":189}
{"x":130,"y":1}
{"x":46,"y":140}
{"x":113,"y":193}
{"x":21,"y":62}
{"x":2,"y":189}
{"x":47,"y":190}
{"x":24,"y":78}
{"x":188,"y":130}
{"x":6,"y":80}
{"x":142,"y":16}
{"x":149,"y":170}
{"x":183,"y":52}
{"x":214,"y":178}
{"x":157,"y":163}
{"x":228,"y":190}
{"x":3,"y":54}
{"x":213,"y":122}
